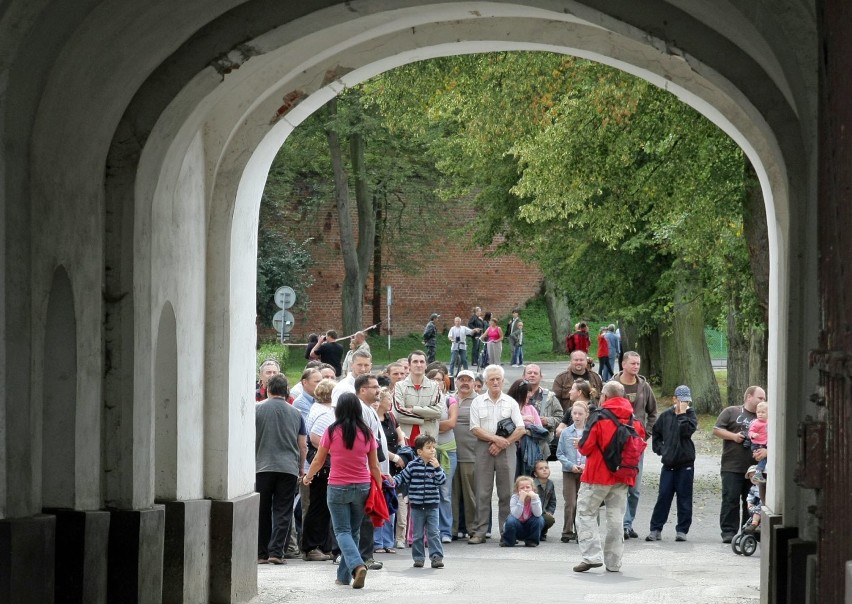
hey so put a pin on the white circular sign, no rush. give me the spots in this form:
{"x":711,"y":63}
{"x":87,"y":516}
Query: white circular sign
{"x":285,"y":297}
{"x":283,"y":321}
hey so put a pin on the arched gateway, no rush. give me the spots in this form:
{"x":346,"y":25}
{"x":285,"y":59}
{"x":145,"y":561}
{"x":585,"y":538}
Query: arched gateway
{"x":136,"y":142}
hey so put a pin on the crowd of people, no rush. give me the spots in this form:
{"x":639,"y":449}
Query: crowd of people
{"x":438,"y":440}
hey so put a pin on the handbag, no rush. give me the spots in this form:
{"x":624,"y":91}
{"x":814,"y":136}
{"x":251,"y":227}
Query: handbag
{"x":505,"y":427}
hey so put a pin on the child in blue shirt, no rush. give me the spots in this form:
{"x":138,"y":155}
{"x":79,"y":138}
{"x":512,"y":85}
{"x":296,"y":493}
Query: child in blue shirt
{"x":424,"y":477}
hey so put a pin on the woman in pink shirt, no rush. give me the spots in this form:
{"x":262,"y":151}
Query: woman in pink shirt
{"x":353,"y":461}
{"x":493,"y":337}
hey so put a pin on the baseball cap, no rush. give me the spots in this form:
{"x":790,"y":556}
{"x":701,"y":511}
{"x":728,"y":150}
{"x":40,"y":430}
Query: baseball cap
{"x":682,"y":393}
{"x":434,"y":316}
{"x":466,"y":372}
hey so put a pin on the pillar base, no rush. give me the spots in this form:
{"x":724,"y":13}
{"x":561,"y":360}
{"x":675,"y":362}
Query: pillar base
{"x":233,"y":549}
{"x":136,"y":555}
{"x":186,"y":558}
{"x":81,"y":555}
{"x":27,"y":549}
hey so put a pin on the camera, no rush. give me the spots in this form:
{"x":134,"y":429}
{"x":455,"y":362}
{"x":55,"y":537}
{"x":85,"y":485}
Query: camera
{"x":458,"y":339}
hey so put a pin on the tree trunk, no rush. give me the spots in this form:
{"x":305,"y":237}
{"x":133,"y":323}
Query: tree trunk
{"x":738,"y":357}
{"x":757,"y":361}
{"x":558,"y":314}
{"x":757,"y":238}
{"x":686,"y":358}
{"x":350,"y":291}
{"x":648,"y":347}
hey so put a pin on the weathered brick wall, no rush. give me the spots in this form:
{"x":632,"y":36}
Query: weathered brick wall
{"x":452,"y":284}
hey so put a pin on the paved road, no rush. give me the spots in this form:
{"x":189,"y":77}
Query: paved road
{"x":700,"y":571}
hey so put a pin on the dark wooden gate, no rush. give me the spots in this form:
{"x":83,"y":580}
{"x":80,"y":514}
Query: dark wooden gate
{"x":834,"y":360}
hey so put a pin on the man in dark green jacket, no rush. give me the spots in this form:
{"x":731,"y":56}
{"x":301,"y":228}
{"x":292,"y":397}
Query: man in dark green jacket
{"x":673,"y":442}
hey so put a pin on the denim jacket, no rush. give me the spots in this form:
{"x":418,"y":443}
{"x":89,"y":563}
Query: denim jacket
{"x":566,"y":452}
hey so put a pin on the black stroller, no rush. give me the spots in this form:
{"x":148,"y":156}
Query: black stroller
{"x":745,"y":543}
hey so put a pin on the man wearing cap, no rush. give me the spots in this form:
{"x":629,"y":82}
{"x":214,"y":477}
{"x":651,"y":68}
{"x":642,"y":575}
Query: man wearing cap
{"x":458,"y":344}
{"x":463,"y":486}
{"x":672,"y":440}
{"x":430,"y":338}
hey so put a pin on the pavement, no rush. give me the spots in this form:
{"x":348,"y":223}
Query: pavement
{"x":700,"y":570}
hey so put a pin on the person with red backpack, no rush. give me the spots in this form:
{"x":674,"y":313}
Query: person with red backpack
{"x":579,"y":340}
{"x":613,"y":444}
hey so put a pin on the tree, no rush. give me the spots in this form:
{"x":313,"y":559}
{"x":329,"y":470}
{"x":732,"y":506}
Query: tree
{"x":625,"y":196}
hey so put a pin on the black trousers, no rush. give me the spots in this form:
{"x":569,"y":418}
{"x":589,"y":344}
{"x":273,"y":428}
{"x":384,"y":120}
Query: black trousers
{"x":365,"y":542}
{"x":316,"y":523}
{"x":277,"y":492}
{"x":734,"y":510}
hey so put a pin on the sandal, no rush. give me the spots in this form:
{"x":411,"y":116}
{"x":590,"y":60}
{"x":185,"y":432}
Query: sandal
{"x":390,"y":550}
{"x":381,"y":550}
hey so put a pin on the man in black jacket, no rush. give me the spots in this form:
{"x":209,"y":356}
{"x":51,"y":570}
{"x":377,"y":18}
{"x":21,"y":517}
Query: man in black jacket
{"x":673,"y":442}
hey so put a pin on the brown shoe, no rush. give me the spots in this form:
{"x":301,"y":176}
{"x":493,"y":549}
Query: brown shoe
{"x":262,"y":561}
{"x":358,"y":577}
{"x":274,"y":560}
{"x":315,"y":555}
{"x":476,"y":540}
{"x":584,"y":566}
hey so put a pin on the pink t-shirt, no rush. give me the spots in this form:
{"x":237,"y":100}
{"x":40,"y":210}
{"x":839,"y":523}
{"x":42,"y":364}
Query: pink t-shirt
{"x":348,"y":466}
{"x":530,"y":410}
{"x":758,"y":432}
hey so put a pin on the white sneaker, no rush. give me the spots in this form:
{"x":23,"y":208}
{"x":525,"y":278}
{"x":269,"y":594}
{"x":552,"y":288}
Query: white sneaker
{"x":446,"y":539}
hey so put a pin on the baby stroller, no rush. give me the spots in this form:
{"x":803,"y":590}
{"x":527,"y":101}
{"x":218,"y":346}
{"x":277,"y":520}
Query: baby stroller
{"x":745,"y":543}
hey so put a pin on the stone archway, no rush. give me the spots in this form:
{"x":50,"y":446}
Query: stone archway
{"x":140,"y":172}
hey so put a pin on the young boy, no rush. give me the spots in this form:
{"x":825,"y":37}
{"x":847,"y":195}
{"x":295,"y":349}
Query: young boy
{"x":672,"y":440}
{"x":424,"y":476}
{"x":516,"y":338}
{"x":547,"y":493}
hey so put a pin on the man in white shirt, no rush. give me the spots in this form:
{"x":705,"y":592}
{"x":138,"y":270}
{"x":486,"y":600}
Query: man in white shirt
{"x":495,"y":455}
{"x":362,"y":364}
{"x":458,"y":345}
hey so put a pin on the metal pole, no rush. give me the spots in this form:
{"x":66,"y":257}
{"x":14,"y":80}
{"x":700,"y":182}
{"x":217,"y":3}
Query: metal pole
{"x":389,"y":320}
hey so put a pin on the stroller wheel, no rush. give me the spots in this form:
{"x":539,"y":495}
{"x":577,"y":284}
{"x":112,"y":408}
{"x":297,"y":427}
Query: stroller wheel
{"x":748,"y":545}
{"x":735,"y":544}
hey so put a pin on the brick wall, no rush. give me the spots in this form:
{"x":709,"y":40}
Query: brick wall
{"x":451,"y":285}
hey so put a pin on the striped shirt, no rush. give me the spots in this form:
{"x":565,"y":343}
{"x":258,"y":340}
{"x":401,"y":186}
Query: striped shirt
{"x":423,"y":482}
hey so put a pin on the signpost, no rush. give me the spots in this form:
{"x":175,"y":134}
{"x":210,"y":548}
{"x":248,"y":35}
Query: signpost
{"x":390,"y":292}
{"x":283,"y":321}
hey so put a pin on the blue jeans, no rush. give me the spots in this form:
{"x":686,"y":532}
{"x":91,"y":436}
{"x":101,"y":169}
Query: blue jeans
{"x":633,"y":497}
{"x":518,"y":355}
{"x":459,"y":356}
{"x":445,"y":508}
{"x":674,"y":481}
{"x":346,"y":505}
{"x":383,"y":537}
{"x":528,"y":531}
{"x":425,"y":519}
{"x":605,"y":369}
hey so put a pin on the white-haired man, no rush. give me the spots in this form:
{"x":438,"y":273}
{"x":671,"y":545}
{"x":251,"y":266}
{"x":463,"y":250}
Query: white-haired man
{"x":495,"y":455}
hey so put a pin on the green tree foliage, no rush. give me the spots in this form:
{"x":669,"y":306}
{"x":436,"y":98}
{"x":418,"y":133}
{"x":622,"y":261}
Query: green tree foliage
{"x":626,"y":197}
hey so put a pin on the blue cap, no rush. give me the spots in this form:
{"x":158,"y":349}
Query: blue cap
{"x":682,"y":393}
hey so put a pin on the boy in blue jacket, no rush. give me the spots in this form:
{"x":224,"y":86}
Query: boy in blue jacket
{"x":424,"y":476}
{"x":672,"y":440}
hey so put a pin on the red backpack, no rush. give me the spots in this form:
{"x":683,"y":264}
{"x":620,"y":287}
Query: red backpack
{"x":625,"y":449}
